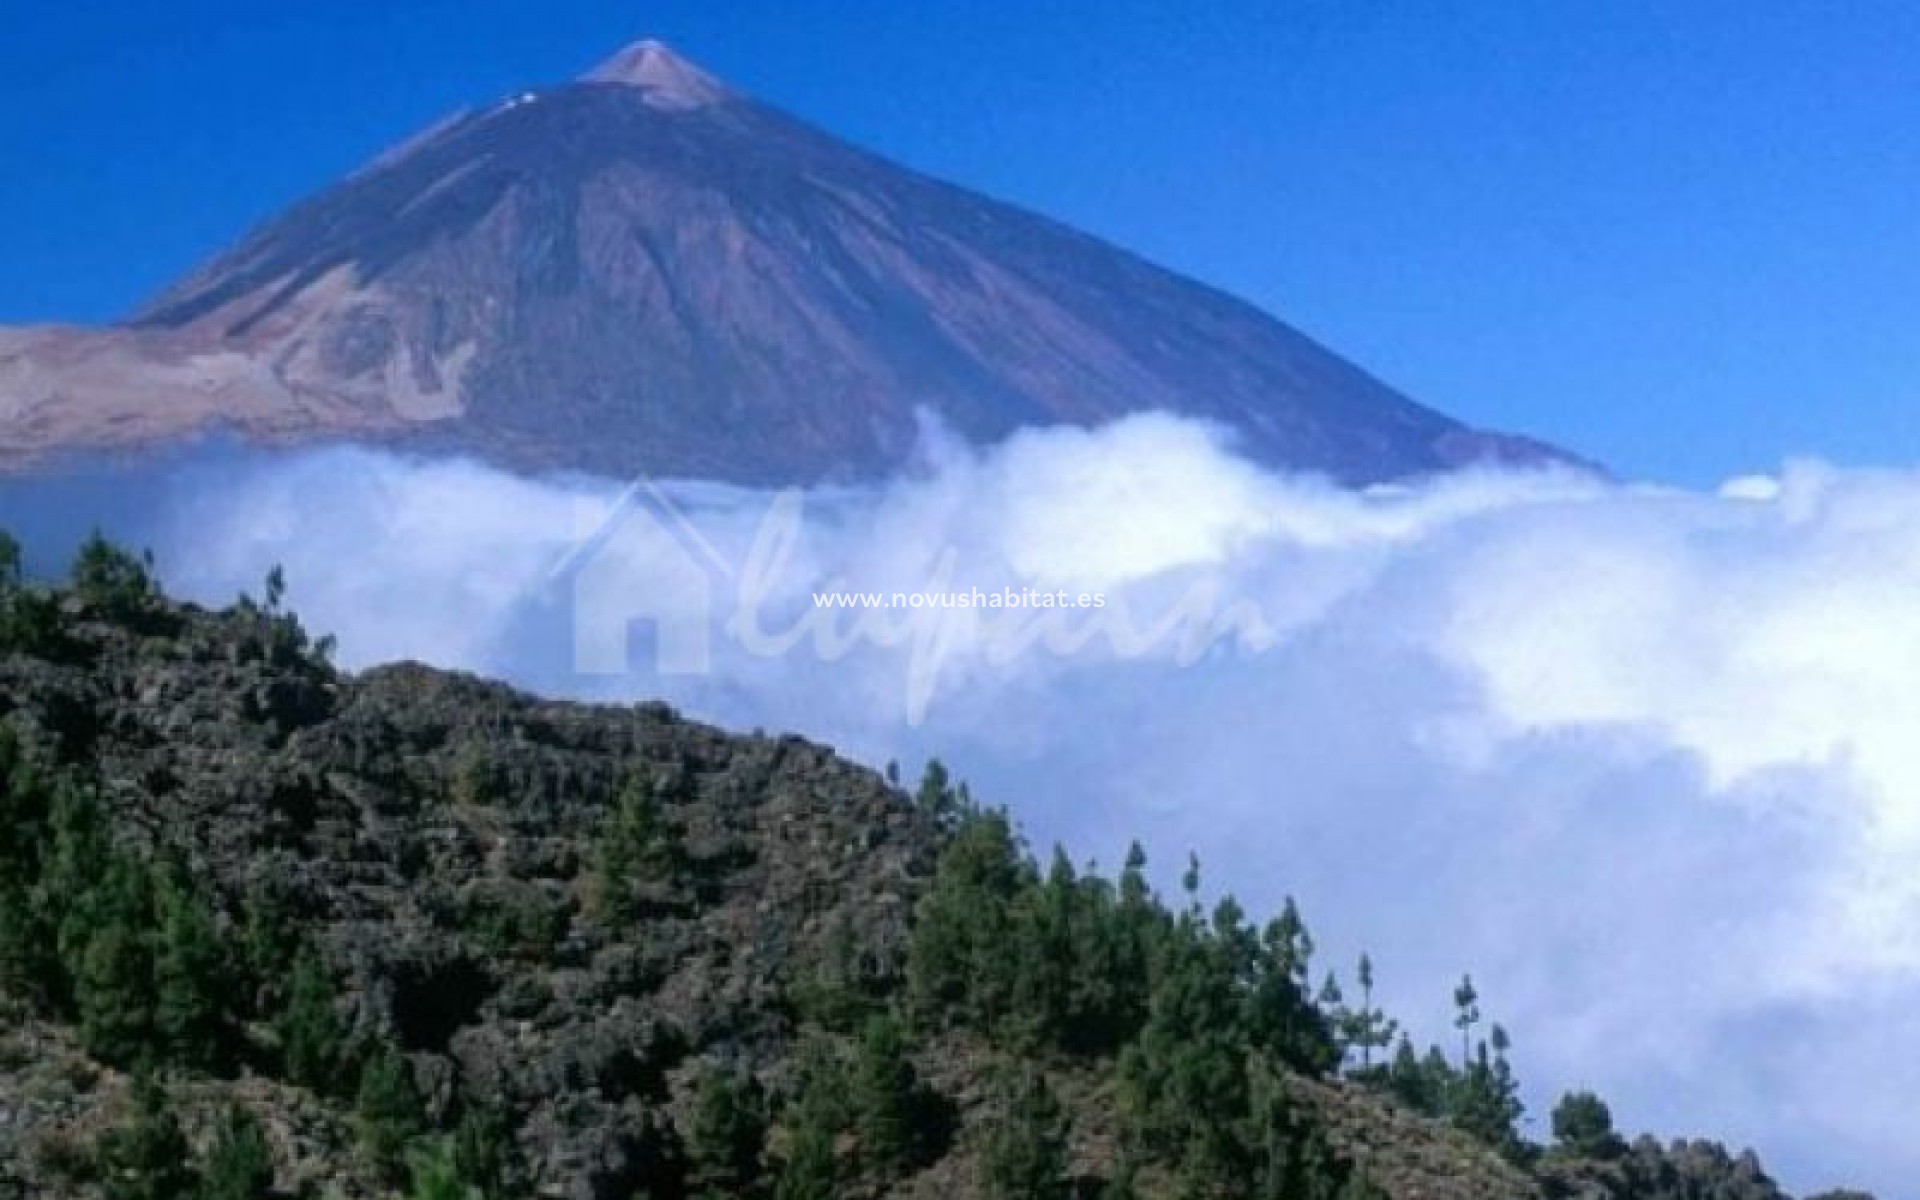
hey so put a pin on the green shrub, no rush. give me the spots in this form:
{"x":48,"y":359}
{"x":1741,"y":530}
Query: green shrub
{"x":724,"y":1142}
{"x":112,"y":582}
{"x":434,"y":1176}
{"x":1025,"y":1156}
{"x":485,"y":1157}
{"x":515,"y":919}
{"x":1583,"y":1124}
{"x":29,"y":616}
{"x":239,"y":1163}
{"x":145,"y":1157}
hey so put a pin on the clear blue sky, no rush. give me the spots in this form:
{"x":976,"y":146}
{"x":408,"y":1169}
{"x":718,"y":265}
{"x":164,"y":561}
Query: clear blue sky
{"x":1682,"y":238}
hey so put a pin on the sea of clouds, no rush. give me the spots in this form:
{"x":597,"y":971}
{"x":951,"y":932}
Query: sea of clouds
{"x":1645,"y":761}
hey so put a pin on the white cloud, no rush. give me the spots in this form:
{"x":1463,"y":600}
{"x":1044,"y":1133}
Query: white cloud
{"x":1641,"y":759}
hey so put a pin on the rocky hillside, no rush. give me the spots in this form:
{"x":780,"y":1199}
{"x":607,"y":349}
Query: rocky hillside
{"x":272,"y":930}
{"x":644,"y":269}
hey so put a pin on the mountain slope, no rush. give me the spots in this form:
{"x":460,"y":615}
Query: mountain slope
{"x":644,"y":270}
{"x":378,"y":919}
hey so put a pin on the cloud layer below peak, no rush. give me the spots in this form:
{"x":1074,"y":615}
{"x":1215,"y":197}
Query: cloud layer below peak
{"x":1641,"y":759}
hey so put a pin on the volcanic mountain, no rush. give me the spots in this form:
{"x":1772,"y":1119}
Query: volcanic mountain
{"x":646,"y":270}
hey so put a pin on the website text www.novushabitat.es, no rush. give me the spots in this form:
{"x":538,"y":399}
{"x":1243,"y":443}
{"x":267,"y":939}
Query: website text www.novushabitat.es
{"x":1002,"y":598}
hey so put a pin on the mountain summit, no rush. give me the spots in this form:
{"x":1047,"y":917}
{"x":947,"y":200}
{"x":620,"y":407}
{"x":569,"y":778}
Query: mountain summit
{"x":646,"y":270}
{"x":669,"y":81}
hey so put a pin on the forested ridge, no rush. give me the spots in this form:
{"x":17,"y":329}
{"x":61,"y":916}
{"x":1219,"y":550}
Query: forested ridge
{"x":270,"y":929}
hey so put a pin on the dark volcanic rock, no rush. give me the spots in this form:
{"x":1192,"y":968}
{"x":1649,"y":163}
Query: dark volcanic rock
{"x":405,"y":812}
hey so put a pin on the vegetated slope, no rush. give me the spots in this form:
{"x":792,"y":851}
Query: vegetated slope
{"x":646,"y":270}
{"x":268,"y":929}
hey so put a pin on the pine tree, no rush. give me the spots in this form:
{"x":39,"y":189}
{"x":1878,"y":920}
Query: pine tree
{"x":1110,"y":983}
{"x":239,"y":1164}
{"x":1291,"y":944}
{"x":29,"y":617}
{"x":113,"y":976}
{"x":728,"y":1130}
{"x":958,"y":968}
{"x":1135,"y":895}
{"x":1466,"y":1014}
{"x":1183,"y":1080}
{"x":1281,"y":1015}
{"x":1292,"y":1159}
{"x":1442,"y":1078}
{"x":269,"y":948}
{"x":813,"y":1121}
{"x":1139,"y":924}
{"x":1331,"y":1000}
{"x":886,"y":1097}
{"x":474,"y":783}
{"x":312,"y":1039}
{"x":27,"y":968}
{"x":638,"y":855}
{"x":387,"y":1109}
{"x":1583,"y":1124}
{"x":1486,"y":1097}
{"x":1368,"y":1027}
{"x":23,"y":812}
{"x":191,"y":974}
{"x":112,"y":582}
{"x":70,"y":888}
{"x":1025,"y":1156}
{"x":1047,"y":949}
{"x":1420,"y":1084}
{"x":836,"y":989}
{"x":146,"y":1156}
{"x":936,"y":797}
